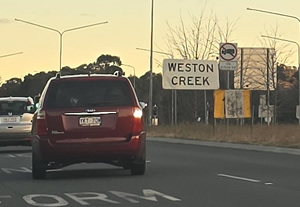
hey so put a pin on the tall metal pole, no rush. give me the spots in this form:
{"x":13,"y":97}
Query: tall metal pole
{"x":242,"y":66}
{"x":151,"y":65}
{"x":174,"y":91}
{"x":268,"y":86}
{"x":60,"y":34}
{"x":298,"y":19}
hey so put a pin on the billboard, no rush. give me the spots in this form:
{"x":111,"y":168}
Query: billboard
{"x":256,"y":69}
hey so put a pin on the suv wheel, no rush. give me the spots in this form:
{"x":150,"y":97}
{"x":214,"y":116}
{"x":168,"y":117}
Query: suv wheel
{"x":138,"y":169}
{"x":38,"y":166}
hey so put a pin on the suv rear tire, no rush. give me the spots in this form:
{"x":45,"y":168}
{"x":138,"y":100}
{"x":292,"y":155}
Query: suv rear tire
{"x":138,"y":169}
{"x":138,"y":166}
{"x":38,"y":166}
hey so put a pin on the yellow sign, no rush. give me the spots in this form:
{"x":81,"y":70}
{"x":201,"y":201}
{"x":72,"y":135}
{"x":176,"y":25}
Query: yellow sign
{"x":221,"y":107}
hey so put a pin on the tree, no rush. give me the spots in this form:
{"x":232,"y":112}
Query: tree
{"x":11,"y":87}
{"x":106,"y":61}
{"x":200,"y":39}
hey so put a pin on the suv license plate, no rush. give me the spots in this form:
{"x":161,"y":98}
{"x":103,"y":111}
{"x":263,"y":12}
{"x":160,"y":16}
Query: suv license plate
{"x":90,"y":121}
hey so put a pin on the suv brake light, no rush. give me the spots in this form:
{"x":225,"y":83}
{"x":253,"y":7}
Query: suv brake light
{"x":137,"y":126}
{"x":41,"y":123}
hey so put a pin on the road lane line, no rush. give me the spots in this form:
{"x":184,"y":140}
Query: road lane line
{"x":5,"y":196}
{"x":239,"y":178}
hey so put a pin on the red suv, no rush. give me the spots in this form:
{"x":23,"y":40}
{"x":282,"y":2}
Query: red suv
{"x":88,"y":118}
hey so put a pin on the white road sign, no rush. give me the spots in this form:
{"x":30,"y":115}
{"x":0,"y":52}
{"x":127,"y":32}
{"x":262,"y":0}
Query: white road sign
{"x":190,"y":74}
{"x":228,"y":52}
{"x":228,"y":56}
{"x":228,"y":65}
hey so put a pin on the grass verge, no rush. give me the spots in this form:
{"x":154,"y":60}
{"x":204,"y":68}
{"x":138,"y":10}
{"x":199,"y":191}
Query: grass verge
{"x":278,"y":136}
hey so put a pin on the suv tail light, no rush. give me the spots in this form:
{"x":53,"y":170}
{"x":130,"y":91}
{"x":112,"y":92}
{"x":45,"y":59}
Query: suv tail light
{"x":137,"y":126}
{"x":41,"y":123}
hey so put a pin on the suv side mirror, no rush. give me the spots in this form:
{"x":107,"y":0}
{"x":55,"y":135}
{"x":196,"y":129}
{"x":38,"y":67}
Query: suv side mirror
{"x":36,"y":102}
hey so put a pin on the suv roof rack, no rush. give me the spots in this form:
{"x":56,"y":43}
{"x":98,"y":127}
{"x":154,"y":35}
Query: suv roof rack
{"x":57,"y":75}
{"x":118,"y":73}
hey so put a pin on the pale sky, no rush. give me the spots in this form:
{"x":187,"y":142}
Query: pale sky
{"x":128,"y":28}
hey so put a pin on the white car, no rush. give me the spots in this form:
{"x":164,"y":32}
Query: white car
{"x":16,"y":120}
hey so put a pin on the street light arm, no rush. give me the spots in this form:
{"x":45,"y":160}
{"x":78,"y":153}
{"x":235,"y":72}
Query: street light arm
{"x":38,"y":25}
{"x":133,"y":73}
{"x":160,"y":52}
{"x":11,"y":54}
{"x":275,"y":13}
{"x":130,"y":67}
{"x":82,"y":27}
{"x":60,"y":34}
{"x":291,"y":41}
{"x":276,"y":38}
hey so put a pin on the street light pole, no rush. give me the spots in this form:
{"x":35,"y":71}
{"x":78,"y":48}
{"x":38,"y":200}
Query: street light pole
{"x":293,"y":17}
{"x":133,"y":73}
{"x":151,"y":65}
{"x":60,"y":34}
{"x":298,"y":49}
{"x":174,"y":92}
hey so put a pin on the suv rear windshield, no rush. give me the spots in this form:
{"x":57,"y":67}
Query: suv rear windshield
{"x":89,"y":93}
{"x":14,"y":107}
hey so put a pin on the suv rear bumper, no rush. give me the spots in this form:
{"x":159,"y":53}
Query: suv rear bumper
{"x":76,"y":152}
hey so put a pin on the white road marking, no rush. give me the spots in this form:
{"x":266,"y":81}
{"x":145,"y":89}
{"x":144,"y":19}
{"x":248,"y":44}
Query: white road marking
{"x":4,"y":196}
{"x":239,"y":178}
{"x":10,"y":170}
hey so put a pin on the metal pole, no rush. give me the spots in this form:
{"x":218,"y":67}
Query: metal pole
{"x":151,"y":76}
{"x":205,"y":108}
{"x":175,"y":107}
{"x":172,"y":108}
{"x":241,"y":73}
{"x":268,"y":87}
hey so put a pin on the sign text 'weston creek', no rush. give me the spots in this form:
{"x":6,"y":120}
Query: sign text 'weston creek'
{"x":190,"y":74}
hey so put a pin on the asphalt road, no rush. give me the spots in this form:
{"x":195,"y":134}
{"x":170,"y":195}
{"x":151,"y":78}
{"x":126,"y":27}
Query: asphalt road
{"x":185,"y":174}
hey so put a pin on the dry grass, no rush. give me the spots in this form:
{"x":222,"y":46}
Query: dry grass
{"x":279,"y":135}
